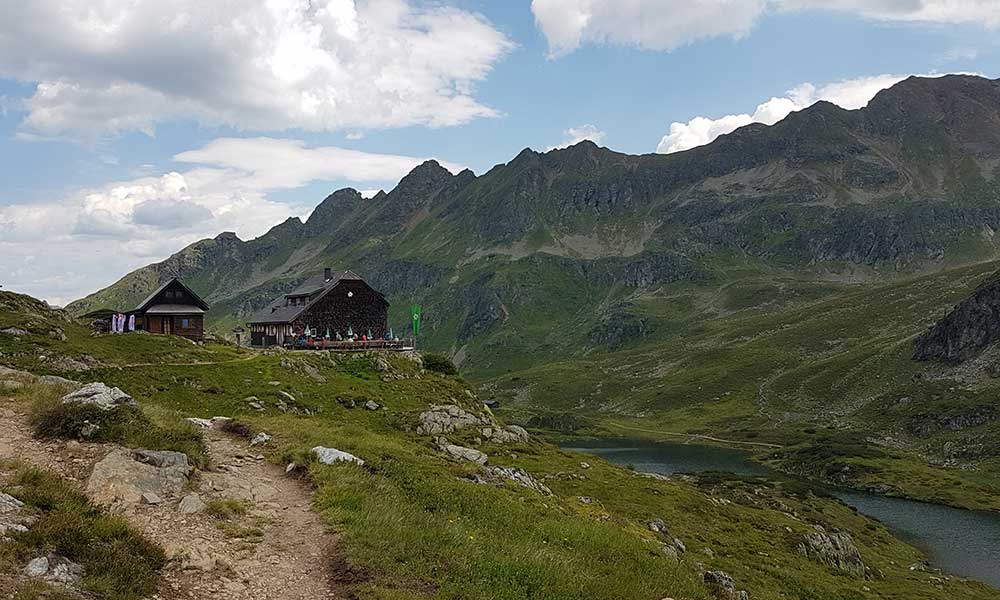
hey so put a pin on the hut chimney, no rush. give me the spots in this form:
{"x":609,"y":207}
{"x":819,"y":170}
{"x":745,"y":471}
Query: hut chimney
{"x":327,"y":274}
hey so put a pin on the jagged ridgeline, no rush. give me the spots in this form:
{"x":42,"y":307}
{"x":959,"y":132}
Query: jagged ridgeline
{"x":560,"y":252}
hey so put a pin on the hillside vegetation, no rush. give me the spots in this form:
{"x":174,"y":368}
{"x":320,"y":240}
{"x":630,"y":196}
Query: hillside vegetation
{"x":414,"y":523}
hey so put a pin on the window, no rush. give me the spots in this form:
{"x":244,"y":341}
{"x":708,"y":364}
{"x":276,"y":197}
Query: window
{"x":185,"y":323}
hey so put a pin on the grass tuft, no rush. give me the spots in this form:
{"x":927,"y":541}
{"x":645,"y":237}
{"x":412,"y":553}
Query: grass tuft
{"x":120,"y":563}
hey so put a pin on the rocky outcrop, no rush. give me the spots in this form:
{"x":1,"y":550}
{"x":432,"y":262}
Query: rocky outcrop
{"x":126,"y":476}
{"x":499,"y":475}
{"x":619,"y":328}
{"x":970,"y":327}
{"x":55,"y":569}
{"x":966,"y":418}
{"x":451,"y":418}
{"x":332,"y":456}
{"x":835,"y":550}
{"x":671,"y":546}
{"x":723,"y":587}
{"x":99,"y":395}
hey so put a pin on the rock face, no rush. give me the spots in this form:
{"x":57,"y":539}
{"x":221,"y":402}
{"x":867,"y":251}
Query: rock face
{"x":99,"y":395}
{"x":191,"y":504}
{"x":124,"y":477}
{"x":965,"y":418}
{"x":836,"y":550}
{"x":330,"y":456}
{"x":969,"y":328}
{"x":449,"y":418}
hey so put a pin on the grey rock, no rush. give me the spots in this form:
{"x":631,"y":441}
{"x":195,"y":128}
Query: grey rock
{"x":330,"y":456}
{"x":260,"y":439}
{"x":372,"y":405}
{"x":7,"y":526}
{"x":162,"y":458}
{"x":723,"y":587}
{"x":123,"y":477}
{"x":38,"y":567}
{"x":151,"y":498}
{"x":463,"y":453}
{"x":99,"y":395}
{"x":191,"y":504}
{"x":10,"y":386}
{"x":836,"y":550}
{"x":200,"y":423}
{"x":497,"y":475}
{"x":14,"y":331}
{"x":9,"y":504}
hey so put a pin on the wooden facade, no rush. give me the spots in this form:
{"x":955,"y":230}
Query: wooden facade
{"x":328,"y":306}
{"x":173,"y":309}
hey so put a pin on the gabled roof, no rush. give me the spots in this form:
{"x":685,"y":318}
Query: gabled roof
{"x":278,"y":312}
{"x":149,"y":299}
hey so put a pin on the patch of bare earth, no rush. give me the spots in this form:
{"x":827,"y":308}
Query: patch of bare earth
{"x":279,"y":549}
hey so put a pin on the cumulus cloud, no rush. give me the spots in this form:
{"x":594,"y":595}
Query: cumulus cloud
{"x":90,"y":238}
{"x":575,"y":135}
{"x":117,"y":65}
{"x":850,"y":94}
{"x":667,"y":24}
{"x":651,"y":24}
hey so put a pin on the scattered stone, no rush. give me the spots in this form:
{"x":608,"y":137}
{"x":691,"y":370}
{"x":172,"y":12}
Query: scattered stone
{"x":57,"y":334}
{"x":275,"y":383}
{"x":585,"y":500}
{"x":260,"y":439}
{"x":14,"y":331}
{"x":99,"y":395}
{"x":256,"y":406}
{"x":372,"y":405}
{"x":10,"y":386}
{"x":200,"y":423}
{"x":836,"y":550}
{"x":346,"y":402}
{"x":151,"y":498}
{"x":191,"y":504}
{"x":329,"y":456}
{"x":6,"y":526}
{"x":38,"y":567}
{"x":584,"y":465}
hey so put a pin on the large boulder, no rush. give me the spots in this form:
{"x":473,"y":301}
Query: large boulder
{"x":124,"y":476}
{"x":330,"y":456}
{"x":836,"y":550}
{"x":99,"y":395}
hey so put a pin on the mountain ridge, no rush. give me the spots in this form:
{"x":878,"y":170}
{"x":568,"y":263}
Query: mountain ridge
{"x":908,"y":184}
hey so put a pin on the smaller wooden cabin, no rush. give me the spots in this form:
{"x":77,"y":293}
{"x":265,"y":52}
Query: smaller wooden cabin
{"x":173,"y":309}
{"x":327,"y":306}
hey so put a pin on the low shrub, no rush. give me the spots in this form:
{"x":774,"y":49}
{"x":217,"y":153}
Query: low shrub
{"x":439,"y":363}
{"x":226,"y":509}
{"x":126,"y":425}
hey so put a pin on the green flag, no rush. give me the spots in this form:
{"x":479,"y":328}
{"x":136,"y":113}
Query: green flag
{"x":415,"y":315}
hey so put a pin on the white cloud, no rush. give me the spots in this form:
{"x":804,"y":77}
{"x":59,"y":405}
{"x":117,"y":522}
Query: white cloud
{"x":117,"y":65}
{"x":89,"y":239}
{"x":575,"y":135}
{"x":668,"y":24}
{"x":849,"y":94}
{"x":651,"y":24}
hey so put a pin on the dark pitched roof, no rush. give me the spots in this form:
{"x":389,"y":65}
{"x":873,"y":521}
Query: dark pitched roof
{"x":278,"y":312}
{"x":149,"y":299}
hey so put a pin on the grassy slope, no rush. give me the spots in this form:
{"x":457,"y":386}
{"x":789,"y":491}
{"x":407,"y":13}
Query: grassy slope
{"x":788,"y":362}
{"x":413,"y":527}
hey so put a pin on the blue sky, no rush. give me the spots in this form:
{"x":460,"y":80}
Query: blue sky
{"x":115,"y":118}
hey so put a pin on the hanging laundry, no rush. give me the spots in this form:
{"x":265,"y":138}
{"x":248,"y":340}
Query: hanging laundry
{"x":131,"y":322}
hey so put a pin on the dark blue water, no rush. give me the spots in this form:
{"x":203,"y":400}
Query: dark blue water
{"x":962,"y":542}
